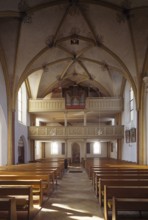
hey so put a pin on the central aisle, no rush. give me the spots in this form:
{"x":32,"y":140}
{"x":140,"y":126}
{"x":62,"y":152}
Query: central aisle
{"x":73,"y":199}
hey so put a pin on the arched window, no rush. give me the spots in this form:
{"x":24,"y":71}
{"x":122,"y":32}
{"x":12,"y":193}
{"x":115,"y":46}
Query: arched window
{"x":22,"y":104}
{"x":97,"y":147}
{"x":54,"y":148}
{"x":131,"y":104}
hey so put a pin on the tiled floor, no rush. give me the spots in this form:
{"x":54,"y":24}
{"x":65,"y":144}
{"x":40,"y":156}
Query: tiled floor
{"x":73,"y":199}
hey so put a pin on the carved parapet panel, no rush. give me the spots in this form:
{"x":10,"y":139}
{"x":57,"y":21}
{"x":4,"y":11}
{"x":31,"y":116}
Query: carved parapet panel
{"x":100,"y":131}
{"x":75,"y":131}
{"x":51,"y":131}
{"x":104,"y":132}
{"x":56,"y":131}
{"x":45,"y":105}
{"x":104,"y":104}
{"x":92,"y":104}
{"x":33,"y":131}
{"x":89,"y":131}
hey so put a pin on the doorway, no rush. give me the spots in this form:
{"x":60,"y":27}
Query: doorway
{"x":75,"y":153}
{"x":21,"y":158}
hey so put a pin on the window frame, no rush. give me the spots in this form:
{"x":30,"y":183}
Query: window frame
{"x":131,"y":104}
{"x":22,"y":104}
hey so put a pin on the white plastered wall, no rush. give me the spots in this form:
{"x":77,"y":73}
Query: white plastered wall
{"x":113,"y":154}
{"x":48,"y":150}
{"x":68,"y":149}
{"x":38,"y":152}
{"x":103,"y":150}
{"x":3,"y":120}
{"x":129,"y":150}
{"x":22,"y":130}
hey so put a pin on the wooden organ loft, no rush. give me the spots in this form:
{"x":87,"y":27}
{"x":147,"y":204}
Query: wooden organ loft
{"x":69,"y":102}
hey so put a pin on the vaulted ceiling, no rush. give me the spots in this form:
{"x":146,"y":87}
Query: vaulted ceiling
{"x":58,"y":43}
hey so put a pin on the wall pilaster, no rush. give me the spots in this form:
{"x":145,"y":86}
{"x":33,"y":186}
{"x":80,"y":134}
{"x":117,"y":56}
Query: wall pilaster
{"x":145,"y":150}
{"x":11,"y":137}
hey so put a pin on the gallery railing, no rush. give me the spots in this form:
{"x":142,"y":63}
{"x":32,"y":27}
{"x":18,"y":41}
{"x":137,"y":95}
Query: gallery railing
{"x":92,"y":104}
{"x":99,"y":132}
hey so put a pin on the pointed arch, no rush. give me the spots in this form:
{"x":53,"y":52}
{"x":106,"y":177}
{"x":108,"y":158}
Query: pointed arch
{"x":21,"y":148}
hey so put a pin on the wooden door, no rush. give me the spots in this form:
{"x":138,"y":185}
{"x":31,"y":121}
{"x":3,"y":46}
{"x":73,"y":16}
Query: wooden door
{"x":75,"y":153}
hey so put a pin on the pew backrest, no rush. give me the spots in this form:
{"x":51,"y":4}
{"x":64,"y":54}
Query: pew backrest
{"x":23,"y":196}
{"x":37,"y":187}
{"x":122,"y":192}
{"x":118,"y":182}
{"x":8,"y":204}
{"x":128,"y":204}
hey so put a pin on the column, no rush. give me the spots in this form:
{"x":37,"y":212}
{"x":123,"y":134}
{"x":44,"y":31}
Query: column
{"x":65,"y":119}
{"x":85,"y":119}
{"x":32,"y":150}
{"x":119,"y":149}
{"x":43,"y":149}
{"x":11,"y":139}
{"x":145,"y":79}
{"x":66,"y":150}
{"x":84,"y":152}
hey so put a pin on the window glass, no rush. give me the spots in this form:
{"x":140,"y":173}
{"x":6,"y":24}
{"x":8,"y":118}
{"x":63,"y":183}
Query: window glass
{"x":54,"y":148}
{"x":131,"y":105}
{"x":22,"y":104}
{"x":97,"y":148}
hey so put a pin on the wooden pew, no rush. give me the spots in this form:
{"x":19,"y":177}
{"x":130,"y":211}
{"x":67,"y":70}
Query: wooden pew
{"x":37,"y":188}
{"x":122,"y":192}
{"x":8,"y":208}
{"x":117,"y":171}
{"x":128,"y":204}
{"x":29,"y":176}
{"x":104,"y":163}
{"x":32,"y":168}
{"x":109,"y":163}
{"x":58,"y":165}
{"x":119,"y":176}
{"x":118,"y":182}
{"x":13,"y":169}
{"x":23,"y":196}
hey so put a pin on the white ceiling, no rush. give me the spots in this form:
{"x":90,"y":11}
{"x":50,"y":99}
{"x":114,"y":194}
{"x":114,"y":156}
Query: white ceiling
{"x":35,"y":43}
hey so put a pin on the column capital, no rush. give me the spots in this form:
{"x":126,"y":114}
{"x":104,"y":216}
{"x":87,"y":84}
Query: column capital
{"x":145,"y":79}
